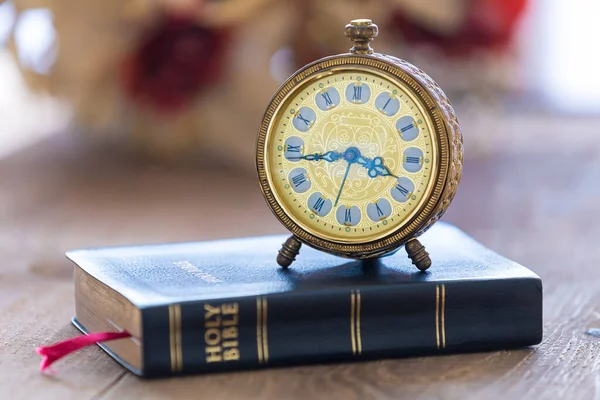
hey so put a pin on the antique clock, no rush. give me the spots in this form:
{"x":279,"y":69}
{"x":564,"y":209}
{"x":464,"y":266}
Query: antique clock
{"x":358,"y":154}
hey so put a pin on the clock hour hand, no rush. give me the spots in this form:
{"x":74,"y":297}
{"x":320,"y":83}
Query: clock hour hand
{"x":374,"y":166}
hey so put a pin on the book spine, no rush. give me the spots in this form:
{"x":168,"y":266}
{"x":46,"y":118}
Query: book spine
{"x":343,"y":324}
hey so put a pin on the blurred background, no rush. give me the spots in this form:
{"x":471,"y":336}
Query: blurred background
{"x":161,"y":78}
{"x":126,"y":121}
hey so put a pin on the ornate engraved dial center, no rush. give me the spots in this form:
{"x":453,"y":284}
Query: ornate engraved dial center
{"x":364,"y":132}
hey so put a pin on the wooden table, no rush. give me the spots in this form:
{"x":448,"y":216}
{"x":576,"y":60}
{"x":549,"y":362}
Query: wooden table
{"x":540,"y":207}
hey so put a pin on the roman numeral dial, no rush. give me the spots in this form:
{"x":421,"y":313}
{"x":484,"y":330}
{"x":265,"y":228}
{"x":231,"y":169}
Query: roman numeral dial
{"x":348,"y":215}
{"x":304,"y":119}
{"x":299,"y":180}
{"x":413,"y":159}
{"x":387,"y":103}
{"x":407,"y":128}
{"x":358,"y":92}
{"x":319,"y":204}
{"x":293,"y":148}
{"x":351,"y":155}
{"x":327,"y":98}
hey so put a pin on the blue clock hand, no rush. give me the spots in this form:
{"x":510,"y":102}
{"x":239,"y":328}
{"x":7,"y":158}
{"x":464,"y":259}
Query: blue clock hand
{"x":342,"y":185}
{"x":375,"y":166}
{"x":351,"y":155}
{"x":330,"y":156}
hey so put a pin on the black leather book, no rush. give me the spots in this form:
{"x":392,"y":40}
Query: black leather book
{"x":226,"y":305}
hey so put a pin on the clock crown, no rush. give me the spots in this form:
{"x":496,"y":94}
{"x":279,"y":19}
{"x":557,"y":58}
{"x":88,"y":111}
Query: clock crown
{"x":361,"y":31}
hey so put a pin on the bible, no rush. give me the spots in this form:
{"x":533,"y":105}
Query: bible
{"x":225,"y":305}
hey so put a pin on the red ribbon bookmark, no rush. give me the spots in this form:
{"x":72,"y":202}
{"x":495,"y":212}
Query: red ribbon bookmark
{"x":57,"y":351}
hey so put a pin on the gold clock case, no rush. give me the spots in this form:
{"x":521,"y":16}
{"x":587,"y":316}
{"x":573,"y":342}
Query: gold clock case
{"x":447,"y":135}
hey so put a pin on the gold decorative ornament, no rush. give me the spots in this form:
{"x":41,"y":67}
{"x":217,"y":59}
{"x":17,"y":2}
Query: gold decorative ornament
{"x":358,"y":154}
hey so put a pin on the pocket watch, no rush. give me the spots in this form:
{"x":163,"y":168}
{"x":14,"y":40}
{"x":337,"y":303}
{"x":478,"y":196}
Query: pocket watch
{"x":358,"y":154}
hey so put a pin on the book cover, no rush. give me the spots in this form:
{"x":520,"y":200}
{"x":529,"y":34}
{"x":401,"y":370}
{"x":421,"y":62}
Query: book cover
{"x":225,"y":305}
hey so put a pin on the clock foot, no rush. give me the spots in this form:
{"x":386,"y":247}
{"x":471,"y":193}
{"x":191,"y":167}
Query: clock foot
{"x":289,"y":251}
{"x":417,"y":253}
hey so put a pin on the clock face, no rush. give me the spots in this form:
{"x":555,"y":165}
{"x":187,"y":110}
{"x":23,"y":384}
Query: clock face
{"x":350,"y":155}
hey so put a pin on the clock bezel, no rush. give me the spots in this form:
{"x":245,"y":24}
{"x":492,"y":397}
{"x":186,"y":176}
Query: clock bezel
{"x":439,"y":112}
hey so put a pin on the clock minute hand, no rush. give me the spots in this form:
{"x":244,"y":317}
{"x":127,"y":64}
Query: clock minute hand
{"x":342,"y":185}
{"x":329,"y":156}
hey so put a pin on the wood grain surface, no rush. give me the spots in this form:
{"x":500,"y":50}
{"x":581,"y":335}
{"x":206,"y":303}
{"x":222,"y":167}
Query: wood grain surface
{"x":539,"y":207}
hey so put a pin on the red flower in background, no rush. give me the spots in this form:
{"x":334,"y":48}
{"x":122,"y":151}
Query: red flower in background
{"x":489,"y":24}
{"x":173,"y":63}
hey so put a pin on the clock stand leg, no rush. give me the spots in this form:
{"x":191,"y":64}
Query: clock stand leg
{"x":417,"y":253}
{"x":289,"y":251}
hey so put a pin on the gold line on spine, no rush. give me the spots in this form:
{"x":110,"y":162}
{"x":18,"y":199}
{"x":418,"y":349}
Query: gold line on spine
{"x":264,"y":330}
{"x":437,"y":315}
{"x":443,"y":316}
{"x":176,"y":353}
{"x":172,"y":351}
{"x":358,"y":338}
{"x":178,"y":337}
{"x":259,"y":346}
{"x":352,"y":322}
